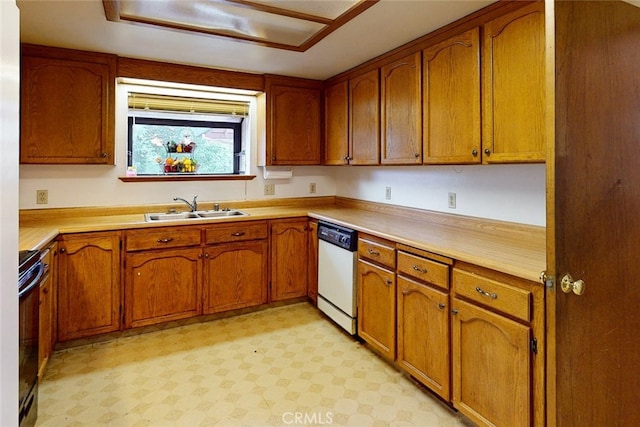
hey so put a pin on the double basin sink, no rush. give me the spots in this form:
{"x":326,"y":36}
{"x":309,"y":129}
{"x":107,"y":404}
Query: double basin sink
{"x":191,"y":216}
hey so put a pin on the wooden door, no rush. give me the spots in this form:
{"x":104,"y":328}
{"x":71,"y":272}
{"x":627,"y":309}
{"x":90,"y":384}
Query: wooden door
{"x":364,"y":119}
{"x":162,"y":285}
{"x":88,"y":284}
{"x":235,"y":275}
{"x":491,"y":365}
{"x":312,"y":269}
{"x":513,"y":95}
{"x":423,"y":334}
{"x":377,"y":308}
{"x":451,"y":100}
{"x":593,"y":217}
{"x":289,"y":259}
{"x":401,"y":116}
{"x":336,"y":115}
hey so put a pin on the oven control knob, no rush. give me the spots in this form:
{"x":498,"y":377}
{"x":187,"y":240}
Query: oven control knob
{"x":343,"y":239}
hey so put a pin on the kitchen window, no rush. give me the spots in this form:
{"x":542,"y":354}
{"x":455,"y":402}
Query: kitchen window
{"x":186,"y":137}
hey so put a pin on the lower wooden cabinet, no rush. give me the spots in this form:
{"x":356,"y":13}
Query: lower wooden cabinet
{"x":47,"y":312}
{"x":312,"y":266}
{"x":289,"y":245}
{"x":235,"y":276}
{"x":89,"y":291}
{"x":423,"y":335}
{"x":162,"y":285}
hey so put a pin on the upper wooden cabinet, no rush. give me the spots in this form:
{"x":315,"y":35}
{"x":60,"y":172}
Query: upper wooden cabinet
{"x":451,"y":100}
{"x":364,"y":119}
{"x":293,"y":114}
{"x":401,"y":141}
{"x":67,"y":106}
{"x":336,"y":126}
{"x":513,"y":58}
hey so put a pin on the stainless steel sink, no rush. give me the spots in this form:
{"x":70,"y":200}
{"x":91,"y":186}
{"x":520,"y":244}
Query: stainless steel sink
{"x":191,"y":216}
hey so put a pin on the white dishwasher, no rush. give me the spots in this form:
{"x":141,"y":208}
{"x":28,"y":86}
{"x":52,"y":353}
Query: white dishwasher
{"x":337,"y":274}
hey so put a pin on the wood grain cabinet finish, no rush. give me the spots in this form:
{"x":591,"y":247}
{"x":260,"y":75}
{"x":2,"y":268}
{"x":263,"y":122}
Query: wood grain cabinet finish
{"x":89,"y":290}
{"x":162,"y":285}
{"x":67,"y":106}
{"x":401,"y":118}
{"x":497,"y":350}
{"x":336,"y":124}
{"x":312,"y":270}
{"x":513,"y":95}
{"x":236,"y":266}
{"x":451,"y":100}
{"x":47,"y":321}
{"x":294,"y":122}
{"x":289,"y":245}
{"x":364,"y":119}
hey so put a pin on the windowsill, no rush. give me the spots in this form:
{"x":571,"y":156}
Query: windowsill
{"x":160,"y":178}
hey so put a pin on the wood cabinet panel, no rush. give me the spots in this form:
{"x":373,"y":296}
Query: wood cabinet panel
{"x":377,"y":251}
{"x":513,"y":58}
{"x":162,"y":285}
{"x":48,"y":318}
{"x":423,"y":269}
{"x":236,"y":232}
{"x":89,"y":294}
{"x":67,"y":106}
{"x":289,"y":244}
{"x":492,"y":369}
{"x":451,"y":100}
{"x":162,"y":238}
{"x":312,"y":269}
{"x":364,"y":119}
{"x":235,"y":276}
{"x":336,"y":133}
{"x":401,"y":115}
{"x":377,"y":308}
{"x":423,"y":334}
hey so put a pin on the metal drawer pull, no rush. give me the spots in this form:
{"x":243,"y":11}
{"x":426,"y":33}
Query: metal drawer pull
{"x":420,"y":270}
{"x":486,"y":294}
{"x":441,"y":306}
{"x":238,"y":233}
{"x":389,"y":282}
{"x":372,"y":252}
{"x":167,"y":240}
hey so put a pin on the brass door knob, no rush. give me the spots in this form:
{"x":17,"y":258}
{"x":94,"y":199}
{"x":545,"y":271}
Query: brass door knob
{"x":568,"y":285}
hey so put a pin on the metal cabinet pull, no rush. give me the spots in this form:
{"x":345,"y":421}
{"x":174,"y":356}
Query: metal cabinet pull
{"x":167,"y":240}
{"x":441,"y":306}
{"x":485,"y":293}
{"x":238,"y":233}
{"x":372,"y":252}
{"x":454,"y":311}
{"x":389,"y":282}
{"x":420,"y":270}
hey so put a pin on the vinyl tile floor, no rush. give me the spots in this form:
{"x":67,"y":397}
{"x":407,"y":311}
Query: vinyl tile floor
{"x":284,"y":366}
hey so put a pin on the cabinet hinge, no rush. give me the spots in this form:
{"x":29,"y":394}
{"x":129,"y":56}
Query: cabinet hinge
{"x":534,"y":345}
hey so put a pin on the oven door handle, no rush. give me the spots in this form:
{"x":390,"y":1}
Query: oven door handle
{"x":33,"y":283}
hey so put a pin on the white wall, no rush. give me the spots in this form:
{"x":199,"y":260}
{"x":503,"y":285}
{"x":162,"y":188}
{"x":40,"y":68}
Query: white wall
{"x":513,"y":193}
{"x":9,"y":134}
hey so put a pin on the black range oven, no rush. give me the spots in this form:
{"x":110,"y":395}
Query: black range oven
{"x":30,"y":271}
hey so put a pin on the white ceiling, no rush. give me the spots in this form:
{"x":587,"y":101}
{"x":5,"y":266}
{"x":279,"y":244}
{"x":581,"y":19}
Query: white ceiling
{"x":387,"y":25}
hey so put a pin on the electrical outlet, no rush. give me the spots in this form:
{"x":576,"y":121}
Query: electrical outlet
{"x":452,"y":200}
{"x":387,"y":193}
{"x":269,"y":189}
{"x":312,"y":187}
{"x":42,"y":197}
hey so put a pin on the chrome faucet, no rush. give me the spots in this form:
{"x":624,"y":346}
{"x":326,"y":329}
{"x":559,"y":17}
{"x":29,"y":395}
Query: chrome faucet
{"x":193,"y":205}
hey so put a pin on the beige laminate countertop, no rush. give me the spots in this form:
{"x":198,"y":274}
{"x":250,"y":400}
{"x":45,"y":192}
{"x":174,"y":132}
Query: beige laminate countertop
{"x":512,"y":249}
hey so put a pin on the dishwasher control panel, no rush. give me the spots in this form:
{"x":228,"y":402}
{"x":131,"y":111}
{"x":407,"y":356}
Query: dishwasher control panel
{"x":338,"y":235}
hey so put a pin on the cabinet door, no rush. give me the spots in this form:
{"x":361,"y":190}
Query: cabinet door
{"x":312,"y":270}
{"x":423,"y":334}
{"x":162,"y":285}
{"x":336,"y":148}
{"x":88,"y":285}
{"x":377,"y":308}
{"x":364,"y":119}
{"x":67,"y":110}
{"x":451,"y":100}
{"x":45,"y":322}
{"x":401,"y":111}
{"x":513,"y":59}
{"x":289,"y":259}
{"x":235,"y":276}
{"x":491,"y":367}
{"x":294,"y":133}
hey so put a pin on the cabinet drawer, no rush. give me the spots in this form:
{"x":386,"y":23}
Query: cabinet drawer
{"x":236,"y":232}
{"x":160,"y":238}
{"x":377,"y":252}
{"x":496,"y":295}
{"x":423,"y":269}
